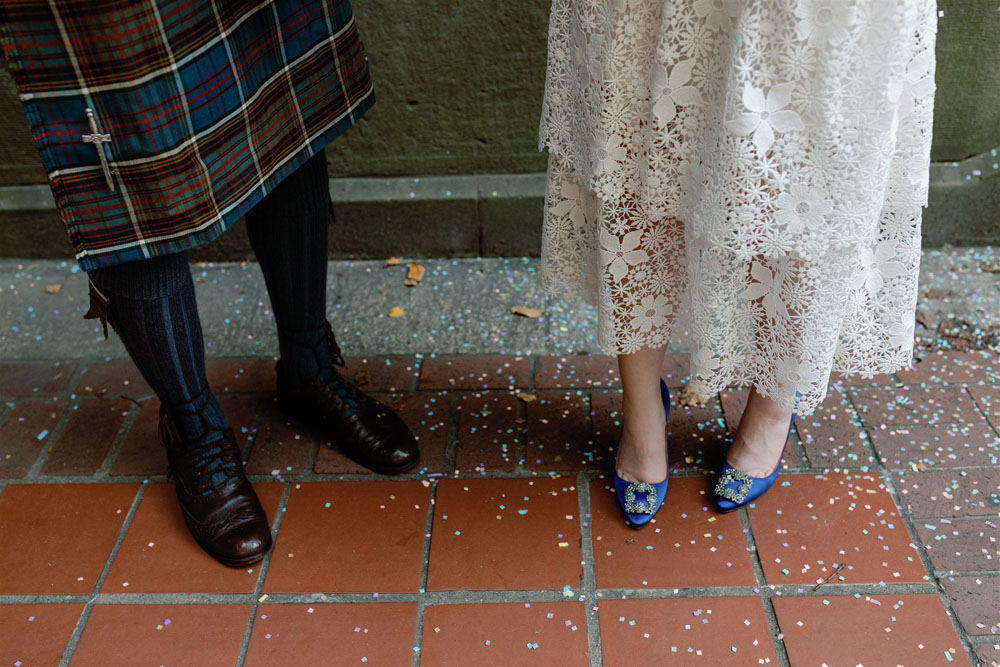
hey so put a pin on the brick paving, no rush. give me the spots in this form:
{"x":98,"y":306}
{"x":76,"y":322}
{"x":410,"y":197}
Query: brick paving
{"x":878,"y":545}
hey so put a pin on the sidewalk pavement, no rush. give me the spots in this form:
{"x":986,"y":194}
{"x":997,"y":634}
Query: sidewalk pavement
{"x":878,"y":546}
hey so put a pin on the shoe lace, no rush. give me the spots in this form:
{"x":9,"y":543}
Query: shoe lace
{"x":331,"y":343}
{"x":213,"y":457}
{"x":214,"y":464}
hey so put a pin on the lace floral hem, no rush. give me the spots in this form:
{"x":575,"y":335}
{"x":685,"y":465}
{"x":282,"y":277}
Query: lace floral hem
{"x":761,"y":165}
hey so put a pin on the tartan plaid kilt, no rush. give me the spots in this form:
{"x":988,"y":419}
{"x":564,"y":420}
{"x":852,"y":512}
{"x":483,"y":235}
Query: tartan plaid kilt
{"x":208,"y":105}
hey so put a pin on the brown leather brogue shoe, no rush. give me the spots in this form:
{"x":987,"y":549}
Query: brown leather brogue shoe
{"x":364,"y":429}
{"x":219,"y":505}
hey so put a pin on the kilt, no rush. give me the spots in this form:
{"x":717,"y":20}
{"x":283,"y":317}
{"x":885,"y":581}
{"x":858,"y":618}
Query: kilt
{"x":199,"y":107}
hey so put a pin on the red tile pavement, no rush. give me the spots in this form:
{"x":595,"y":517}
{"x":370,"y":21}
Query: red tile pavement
{"x":484,"y":372}
{"x":489,"y":433}
{"x":141,"y":452}
{"x":931,"y":404}
{"x":988,"y":654}
{"x":936,"y":445}
{"x":808,"y":525}
{"x":253,"y":375}
{"x":192,"y":634}
{"x":884,"y":629}
{"x":88,"y":436}
{"x":961,"y":545}
{"x":325,"y":541}
{"x":692,"y":631}
{"x":975,"y":599}
{"x":427,"y":416}
{"x":514,"y":633}
{"x":318,"y":634}
{"x":36,"y":634}
{"x":676,"y":369}
{"x":832,"y":435}
{"x":988,"y":400}
{"x":688,"y":544}
{"x":558,"y":435}
{"x":950,"y":493}
{"x":843,"y":380}
{"x":79,"y":522}
{"x":696,"y":435}
{"x":392,"y":373}
{"x":505,"y":534}
{"x":158,"y":554}
{"x":34,"y":379}
{"x":112,"y":379}
{"x":953,"y":367}
{"x":23,"y":435}
{"x":280,"y":445}
{"x":332,"y":461}
{"x":576,"y":372}
{"x":940,"y":446}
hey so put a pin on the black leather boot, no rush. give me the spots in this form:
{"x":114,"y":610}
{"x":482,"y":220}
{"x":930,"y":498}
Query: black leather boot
{"x":224,"y":516}
{"x":364,"y":429}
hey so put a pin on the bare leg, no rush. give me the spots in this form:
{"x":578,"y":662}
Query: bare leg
{"x":642,"y":454}
{"x":760,"y":437}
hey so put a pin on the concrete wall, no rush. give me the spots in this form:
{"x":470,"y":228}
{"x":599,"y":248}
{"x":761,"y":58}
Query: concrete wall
{"x":459,"y":86}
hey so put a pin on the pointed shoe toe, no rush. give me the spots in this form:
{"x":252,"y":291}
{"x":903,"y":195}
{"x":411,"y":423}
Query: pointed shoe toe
{"x":638,"y":511}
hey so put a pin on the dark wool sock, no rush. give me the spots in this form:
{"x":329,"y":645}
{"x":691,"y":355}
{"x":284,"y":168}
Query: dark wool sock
{"x":152,"y":305}
{"x":288,"y":233}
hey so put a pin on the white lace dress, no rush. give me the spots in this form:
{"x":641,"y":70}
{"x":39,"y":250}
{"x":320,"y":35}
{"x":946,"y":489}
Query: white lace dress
{"x":762,"y":162}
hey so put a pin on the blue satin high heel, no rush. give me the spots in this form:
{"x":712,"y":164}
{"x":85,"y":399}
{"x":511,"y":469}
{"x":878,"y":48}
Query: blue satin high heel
{"x":735,"y":488}
{"x":639,"y":512}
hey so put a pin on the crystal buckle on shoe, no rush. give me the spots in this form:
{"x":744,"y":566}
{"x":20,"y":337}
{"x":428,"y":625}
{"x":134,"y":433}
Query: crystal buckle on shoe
{"x":633,"y":507}
{"x":733,"y":475}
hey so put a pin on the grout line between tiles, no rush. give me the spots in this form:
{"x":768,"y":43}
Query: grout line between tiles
{"x":473,"y":597}
{"x":53,"y":437}
{"x":451,"y":432}
{"x":74,"y":638}
{"x":762,"y":589}
{"x":594,"y":474}
{"x":264,"y":565}
{"x":909,"y":523}
{"x":418,"y":632}
{"x":594,"y":647}
{"x":6,"y":410}
{"x":424,"y":566}
{"x":104,"y":469}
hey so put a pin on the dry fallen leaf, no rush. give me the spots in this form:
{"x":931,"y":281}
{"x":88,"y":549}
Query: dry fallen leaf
{"x":526,"y":312}
{"x":527,"y":398}
{"x":414,"y":275}
{"x":53,"y":289}
{"x":688,"y":398}
{"x":392,"y":261}
{"x":396,"y":312}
